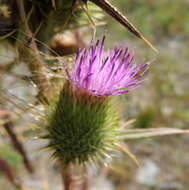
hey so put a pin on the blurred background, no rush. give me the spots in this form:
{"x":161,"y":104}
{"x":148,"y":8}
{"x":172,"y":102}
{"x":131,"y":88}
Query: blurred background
{"x":162,"y":101}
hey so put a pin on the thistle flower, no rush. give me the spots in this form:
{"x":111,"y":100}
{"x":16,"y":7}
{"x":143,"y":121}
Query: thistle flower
{"x":106,"y":74}
{"x":83,"y":121}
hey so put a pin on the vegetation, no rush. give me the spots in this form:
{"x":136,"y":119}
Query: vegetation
{"x":162,"y":102}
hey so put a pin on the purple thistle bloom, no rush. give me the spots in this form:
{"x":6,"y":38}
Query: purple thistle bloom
{"x":106,"y":73}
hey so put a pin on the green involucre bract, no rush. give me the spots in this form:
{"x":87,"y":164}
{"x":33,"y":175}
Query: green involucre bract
{"x":81,"y":126}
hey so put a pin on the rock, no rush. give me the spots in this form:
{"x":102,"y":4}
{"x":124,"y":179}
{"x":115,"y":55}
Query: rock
{"x":148,"y":174}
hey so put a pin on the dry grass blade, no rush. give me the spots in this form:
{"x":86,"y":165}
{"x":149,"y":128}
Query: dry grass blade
{"x":7,"y":35}
{"x":127,"y":123}
{"x":144,"y":133}
{"x":127,"y":151}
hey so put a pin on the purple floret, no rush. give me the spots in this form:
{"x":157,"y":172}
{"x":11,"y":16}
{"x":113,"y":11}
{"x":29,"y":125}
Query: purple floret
{"x":106,"y":73}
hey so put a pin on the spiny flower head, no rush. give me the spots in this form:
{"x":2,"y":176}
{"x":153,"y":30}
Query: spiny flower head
{"x":106,"y":73}
{"x":83,"y":122}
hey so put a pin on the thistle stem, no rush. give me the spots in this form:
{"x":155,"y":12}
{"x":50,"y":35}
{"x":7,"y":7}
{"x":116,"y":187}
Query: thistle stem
{"x":67,"y":178}
{"x":85,"y":185}
{"x":36,"y":64}
{"x":73,"y":179}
